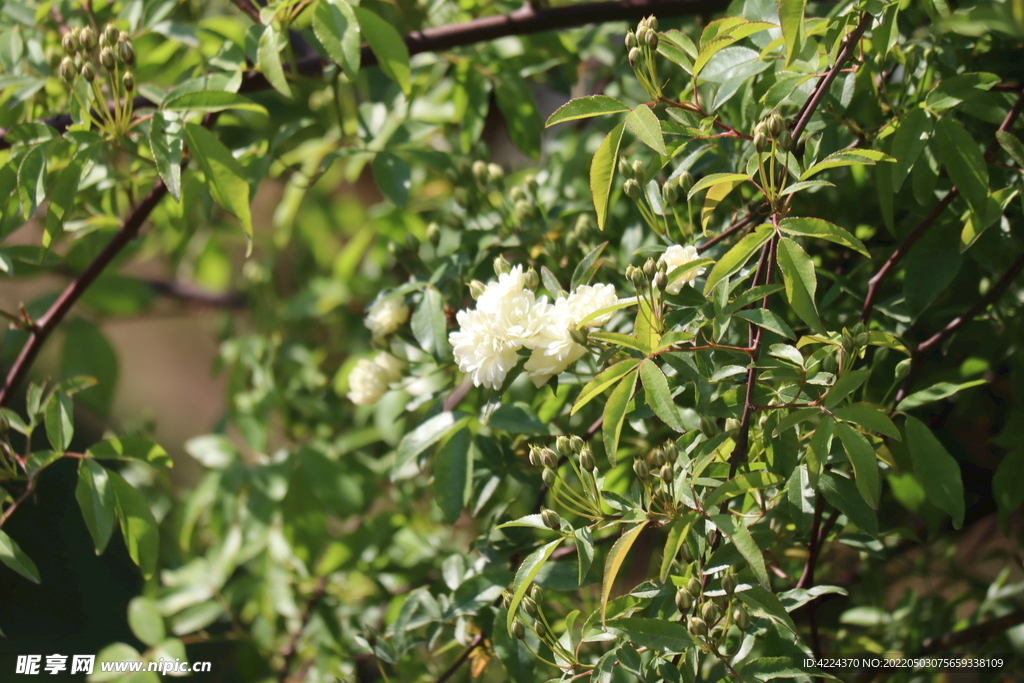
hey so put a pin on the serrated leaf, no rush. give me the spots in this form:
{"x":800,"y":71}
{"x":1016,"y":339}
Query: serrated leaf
{"x":269,"y":56}
{"x":715,"y":194}
{"x":740,"y":536}
{"x":1011,"y":145}
{"x":165,"y":143}
{"x":655,"y":634}
{"x":211,"y":100}
{"x":735,"y":258}
{"x":936,"y":470}
{"x":615,"y":414}
{"x":337,"y":29}
{"x":65,"y":191}
{"x":842,"y":494}
{"x":739,"y":485}
{"x":388,"y":46}
{"x":865,"y":464}
{"x":14,"y":557}
{"x":646,"y":126}
{"x":524,"y":577}
{"x":145,"y":620}
{"x":822,"y":229}
{"x":804,"y":185}
{"x":935,"y":392}
{"x":138,"y":526}
{"x":95,"y":496}
{"x":677,"y":534}
{"x":453,"y":475}
{"x":613,"y":562}
{"x":131,"y":448}
{"x":716,"y":179}
{"x":659,"y":396}
{"x":602,"y":381}
{"x":602,"y":172}
{"x":765,"y":603}
{"x":586,"y":107}
{"x":870,"y":418}
{"x":844,"y":386}
{"x":224,"y":175}
{"x":846,"y":157}
{"x":584,"y":552}
{"x":791,"y":18}
{"x":762,"y":317}
{"x":587,"y":268}
{"x":800,"y":280}
{"x":771,"y":668}
{"x":519,"y":109}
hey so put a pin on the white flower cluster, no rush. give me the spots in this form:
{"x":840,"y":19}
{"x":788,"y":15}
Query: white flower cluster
{"x":508,"y":317}
{"x":369,"y":379}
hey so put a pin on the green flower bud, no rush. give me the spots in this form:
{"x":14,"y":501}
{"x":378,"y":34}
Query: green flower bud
{"x":670,"y":193}
{"x":741,"y":618}
{"x":578,"y":335}
{"x":107,"y":60}
{"x":126,"y":52}
{"x":650,"y":268}
{"x":506,"y":599}
{"x":631,"y":188}
{"x":667,"y":472}
{"x":656,"y":458}
{"x":433,"y":232}
{"x":477,"y":288}
{"x":630,"y":40}
{"x":651,"y":40}
{"x":548,"y":457}
{"x":775,"y":123}
{"x":577,"y":443}
{"x":111,"y":34}
{"x":67,"y":70}
{"x":638,"y":170}
{"x":587,"y":461}
{"x":670,"y":449}
{"x":524,"y":210}
{"x":461,"y":196}
{"x":695,"y":624}
{"x":480,"y":171}
{"x":785,"y":141}
{"x":495,"y":173}
{"x":641,"y":470}
{"x":70,"y":43}
{"x":729,"y":582}
{"x":694,"y":586}
{"x":518,"y":629}
{"x":684,"y":600}
{"x":88,"y":73}
{"x":625,"y":169}
{"x":550,"y":519}
{"x":541,"y":629}
{"x":517,"y":194}
{"x":128,"y":80}
{"x":709,"y":612}
{"x":536,"y":592}
{"x":637,"y":278}
{"x":660,"y":281}
{"x":634,"y":55}
{"x":531,"y":183}
{"x":529,"y":606}
{"x":87,"y":37}
{"x":548,"y":477}
{"x":684,"y":552}
{"x":530,"y":279}
{"x":501,"y":266}
{"x":563,"y":446}
{"x":760,"y":141}
{"x":652,"y":23}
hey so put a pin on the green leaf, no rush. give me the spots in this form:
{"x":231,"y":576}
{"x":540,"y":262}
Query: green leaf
{"x":739,"y":485}
{"x":269,"y":56}
{"x":1011,"y":145}
{"x":425,"y":436}
{"x":613,"y":562}
{"x":211,"y":100}
{"x":801,"y":498}
{"x":584,"y":552}
{"x":586,"y":107}
{"x":587,"y":268}
{"x":60,"y":421}
{"x":95,"y":497}
{"x":870,"y":418}
{"x":964,"y":162}
{"x":817,"y":451}
{"x":338,"y":491}
{"x":138,"y":527}
{"x":844,"y":386}
{"x":620,"y":304}
{"x":816,"y":227}
{"x":602,"y":381}
{"x":958,"y":89}
{"x":429,"y":325}
{"x":519,"y":108}
{"x":393,"y":177}
{"x":762,"y":317}
{"x":453,"y":475}
{"x":770,"y":668}
{"x":722,"y":33}
{"x":736,"y":257}
{"x":615,"y":414}
{"x":131,"y":448}
{"x":1006,"y":488}
{"x":654,"y":634}
{"x":646,"y":126}
{"x":842,"y":494}
{"x":977,"y":224}
{"x":65,"y":191}
{"x":32,"y":179}
{"x":935,"y":392}
{"x":862,"y":457}
{"x":791,"y":17}
{"x":659,"y":396}
{"x":336,"y":27}
{"x":145,"y":620}
{"x":804,"y":185}
{"x":800,"y":280}
{"x":165,"y":143}
{"x":602,"y":172}
{"x":87,"y":351}
{"x":677,"y":534}
{"x":911,"y":137}
{"x":524,"y":577}
{"x":936,"y":470}
{"x":740,"y":536}
{"x":716,"y":179}
{"x":224,"y":175}
{"x":765,"y":603}
{"x":846,"y":157}
{"x":14,"y":557}
{"x":388,"y":46}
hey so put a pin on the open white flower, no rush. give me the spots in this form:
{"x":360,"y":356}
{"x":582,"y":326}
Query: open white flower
{"x":386,"y":316}
{"x":588,"y":299}
{"x":367,"y":382}
{"x":676,"y":256}
{"x":480,"y":351}
{"x":555,"y":349}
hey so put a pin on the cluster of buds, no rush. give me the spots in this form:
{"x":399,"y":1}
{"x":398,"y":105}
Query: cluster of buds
{"x":772,"y":128}
{"x":645,"y":36}
{"x":635,"y":175}
{"x":579,"y":232}
{"x":520,"y":195}
{"x":87,"y":57}
{"x":575,"y":447}
{"x":653,"y":274}
{"x":676,"y":188}
{"x":853,"y":342}
{"x":531,"y":607}
{"x":487,"y":175}
{"x":710,"y":615}
{"x":660,"y":461}
{"x":544,"y":457}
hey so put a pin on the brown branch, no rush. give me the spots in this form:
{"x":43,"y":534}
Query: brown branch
{"x":29,"y":488}
{"x":182,"y":291}
{"x":747,"y":220}
{"x":248,"y":9}
{"x":974,"y":634}
{"x":291,"y":647}
{"x":450,"y":671}
{"x":524,"y":21}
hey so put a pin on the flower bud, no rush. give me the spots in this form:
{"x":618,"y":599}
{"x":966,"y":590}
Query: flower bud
{"x":650,"y":268}
{"x":729,"y":582}
{"x":670,"y":193}
{"x":578,"y":335}
{"x":652,"y":23}
{"x":634,"y":54}
{"x":536,"y":592}
{"x":530,"y":279}
{"x":518,"y":629}
{"x":709,"y":612}
{"x":107,"y":60}
{"x":126,"y":52}
{"x":641,"y":470}
{"x":563,"y":446}
{"x":550,"y":519}
{"x":87,"y":37}
{"x":775,"y":123}
{"x":637,"y":277}
{"x":660,"y":281}
{"x":531,"y":183}
{"x":684,"y":600}
{"x":785,"y":141}
{"x":694,"y":586}
{"x":671,"y":451}
{"x":667,"y":472}
{"x":480,"y":171}
{"x":656,"y":458}
{"x":630,"y":40}
{"x":741,"y":618}
{"x":88,"y":73}
{"x":541,"y":629}
{"x":577,"y":443}
{"x":70,"y":43}
{"x":524,"y":210}
{"x":631,"y":188}
{"x":684,"y":552}
{"x":501,"y":266}
{"x":128,"y":80}
{"x":638,"y":170}
{"x":548,"y":477}
{"x":760,"y":141}
{"x":476,"y":289}
{"x":111,"y":34}
{"x":548,"y":457}
{"x":529,"y":606}
{"x":495,"y":173}
{"x":461,"y":196}
{"x":517,"y":194}
{"x":651,"y":40}
{"x":685,"y":181}
{"x":67,"y":70}
{"x":506,"y":598}
{"x":695,"y":624}
{"x":625,"y":169}
{"x":587,"y":461}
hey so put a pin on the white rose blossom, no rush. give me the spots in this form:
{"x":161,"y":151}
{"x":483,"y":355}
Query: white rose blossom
{"x":479,"y":350}
{"x":369,"y":379}
{"x":386,"y":316}
{"x":676,"y":256}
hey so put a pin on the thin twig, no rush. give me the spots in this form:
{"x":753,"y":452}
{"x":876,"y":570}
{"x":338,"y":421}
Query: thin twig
{"x":732,"y":229}
{"x":248,"y":9}
{"x":291,"y":647}
{"x":182,"y":291}
{"x":450,"y":671}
